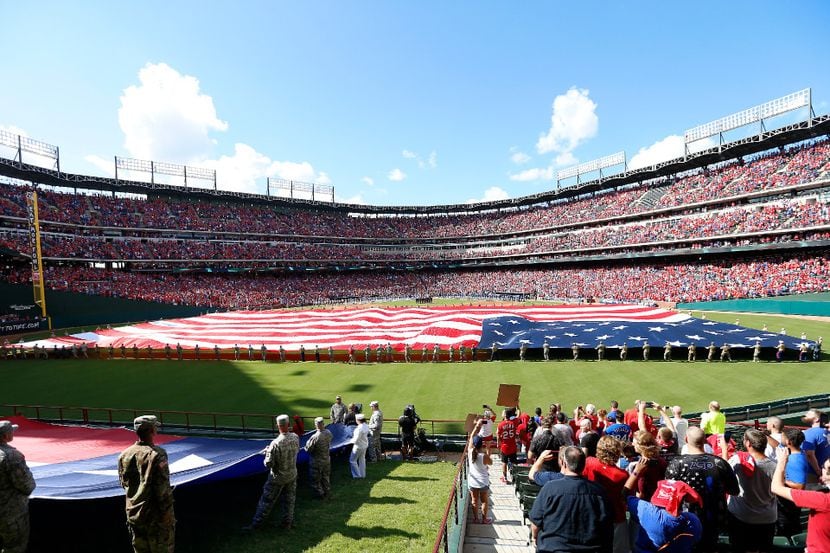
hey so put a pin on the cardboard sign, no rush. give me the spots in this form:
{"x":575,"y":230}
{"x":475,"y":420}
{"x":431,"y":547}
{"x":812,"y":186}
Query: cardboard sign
{"x":470,"y":422}
{"x":508,"y":395}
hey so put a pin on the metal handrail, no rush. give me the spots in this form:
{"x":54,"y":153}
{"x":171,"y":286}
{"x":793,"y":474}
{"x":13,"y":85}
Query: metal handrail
{"x":456,"y":494}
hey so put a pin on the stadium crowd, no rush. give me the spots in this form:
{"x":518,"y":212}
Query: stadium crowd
{"x":680,"y":282}
{"x":704,"y":229}
{"x":683,"y":482}
{"x":794,"y":166}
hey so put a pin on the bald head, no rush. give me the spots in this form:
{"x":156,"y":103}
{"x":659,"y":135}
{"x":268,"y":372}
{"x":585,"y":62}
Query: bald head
{"x":695,"y":438}
{"x":677,"y":411}
{"x":714,"y":406}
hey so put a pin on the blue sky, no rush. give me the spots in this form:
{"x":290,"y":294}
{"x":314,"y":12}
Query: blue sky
{"x":396,"y":102}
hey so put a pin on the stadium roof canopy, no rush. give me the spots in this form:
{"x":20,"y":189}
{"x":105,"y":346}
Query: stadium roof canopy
{"x":767,"y":140}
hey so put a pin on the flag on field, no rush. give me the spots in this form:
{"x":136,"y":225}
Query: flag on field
{"x":89,"y":469}
{"x":509,"y":326}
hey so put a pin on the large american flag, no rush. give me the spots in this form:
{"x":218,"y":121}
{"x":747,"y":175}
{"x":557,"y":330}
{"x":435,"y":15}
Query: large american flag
{"x":343,"y":328}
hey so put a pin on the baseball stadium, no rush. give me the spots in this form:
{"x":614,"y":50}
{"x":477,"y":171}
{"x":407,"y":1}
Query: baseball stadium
{"x":156,"y":297}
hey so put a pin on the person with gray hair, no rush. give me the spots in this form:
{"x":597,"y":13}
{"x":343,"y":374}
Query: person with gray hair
{"x":281,"y":460}
{"x":145,"y":476}
{"x":16,"y":485}
{"x":318,"y":446}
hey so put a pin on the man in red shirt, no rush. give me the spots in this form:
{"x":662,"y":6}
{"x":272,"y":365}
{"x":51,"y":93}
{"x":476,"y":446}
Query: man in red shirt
{"x":818,"y":525}
{"x":506,"y":435}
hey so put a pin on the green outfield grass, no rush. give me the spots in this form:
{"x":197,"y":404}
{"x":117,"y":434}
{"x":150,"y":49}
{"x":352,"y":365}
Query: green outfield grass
{"x":398,"y":507}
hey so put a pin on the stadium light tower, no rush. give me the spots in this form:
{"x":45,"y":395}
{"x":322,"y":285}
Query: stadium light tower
{"x":163,"y":168}
{"x":22,"y":144}
{"x":591,"y":166}
{"x":757,"y":114}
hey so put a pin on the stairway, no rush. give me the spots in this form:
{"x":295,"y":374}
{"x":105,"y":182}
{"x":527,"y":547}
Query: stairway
{"x":508,"y":533}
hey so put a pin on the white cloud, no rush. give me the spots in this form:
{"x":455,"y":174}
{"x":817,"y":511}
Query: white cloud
{"x":396,"y":175}
{"x":357,"y":199}
{"x":106,"y":166}
{"x":519,"y":158}
{"x":565,"y":159}
{"x":167,"y":117}
{"x":534,"y":174}
{"x":368,"y":180}
{"x":431,"y":162}
{"x":491,"y":195}
{"x":671,"y":147}
{"x":574,"y":120}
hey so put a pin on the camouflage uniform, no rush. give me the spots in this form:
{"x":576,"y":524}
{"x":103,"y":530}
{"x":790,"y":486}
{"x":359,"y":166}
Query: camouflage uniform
{"x":375,"y":451}
{"x":281,"y":459}
{"x":320,"y":467}
{"x":337,"y":412}
{"x":16,"y":483}
{"x":145,"y":476}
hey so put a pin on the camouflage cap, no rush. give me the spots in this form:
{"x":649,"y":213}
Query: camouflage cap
{"x":6,"y":427}
{"x":145,"y":422}
{"x":319,"y":420}
{"x":282,"y":420}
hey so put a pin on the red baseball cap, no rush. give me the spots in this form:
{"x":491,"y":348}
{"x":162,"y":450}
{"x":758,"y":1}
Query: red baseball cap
{"x":670,"y":495}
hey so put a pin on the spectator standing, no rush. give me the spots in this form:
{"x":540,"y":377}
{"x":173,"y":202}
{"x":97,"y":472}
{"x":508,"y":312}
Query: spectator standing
{"x":815,"y":445}
{"x":680,"y":424}
{"x":818,"y":525}
{"x":713,"y":421}
{"x":572,"y":513}
{"x":603,"y":470}
{"x":711,"y":477}
{"x":507,"y":436}
{"x":478,"y":479}
{"x":795,"y":477}
{"x":753,"y":511}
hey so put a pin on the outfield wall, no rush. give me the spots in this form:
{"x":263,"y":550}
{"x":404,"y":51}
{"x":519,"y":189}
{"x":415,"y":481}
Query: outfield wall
{"x":69,"y":309}
{"x":789,"y":306}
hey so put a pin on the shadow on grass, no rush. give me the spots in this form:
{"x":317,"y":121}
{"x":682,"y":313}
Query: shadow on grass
{"x":412,"y":478}
{"x":210,"y":517}
{"x":359,"y":388}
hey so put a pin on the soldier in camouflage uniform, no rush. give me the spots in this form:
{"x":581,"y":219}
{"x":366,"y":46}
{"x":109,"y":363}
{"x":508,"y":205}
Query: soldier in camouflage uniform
{"x":16,"y":484}
{"x":145,"y":476}
{"x":281,"y":459}
{"x":375,"y":451}
{"x":338,"y":411}
{"x":317,"y":447}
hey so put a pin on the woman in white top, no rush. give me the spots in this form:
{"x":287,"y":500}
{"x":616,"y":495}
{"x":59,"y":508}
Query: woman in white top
{"x":478,"y":475}
{"x":360,"y":443}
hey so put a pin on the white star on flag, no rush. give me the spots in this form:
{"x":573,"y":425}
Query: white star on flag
{"x":656,"y":328}
{"x":621,"y":327}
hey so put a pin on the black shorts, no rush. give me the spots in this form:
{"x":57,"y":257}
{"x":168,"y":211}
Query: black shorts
{"x":408,"y":439}
{"x":511,"y":457}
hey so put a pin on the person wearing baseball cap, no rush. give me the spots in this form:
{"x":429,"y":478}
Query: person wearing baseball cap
{"x":281,"y":459}
{"x":145,"y":476}
{"x":16,"y":485}
{"x":338,"y":411}
{"x":375,"y":451}
{"x":663,"y":525}
{"x":318,"y":446}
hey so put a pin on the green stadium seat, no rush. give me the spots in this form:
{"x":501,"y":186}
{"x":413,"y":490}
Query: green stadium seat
{"x":800,"y":540}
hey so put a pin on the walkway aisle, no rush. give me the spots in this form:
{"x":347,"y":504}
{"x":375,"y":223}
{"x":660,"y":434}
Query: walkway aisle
{"x":507,"y":534}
